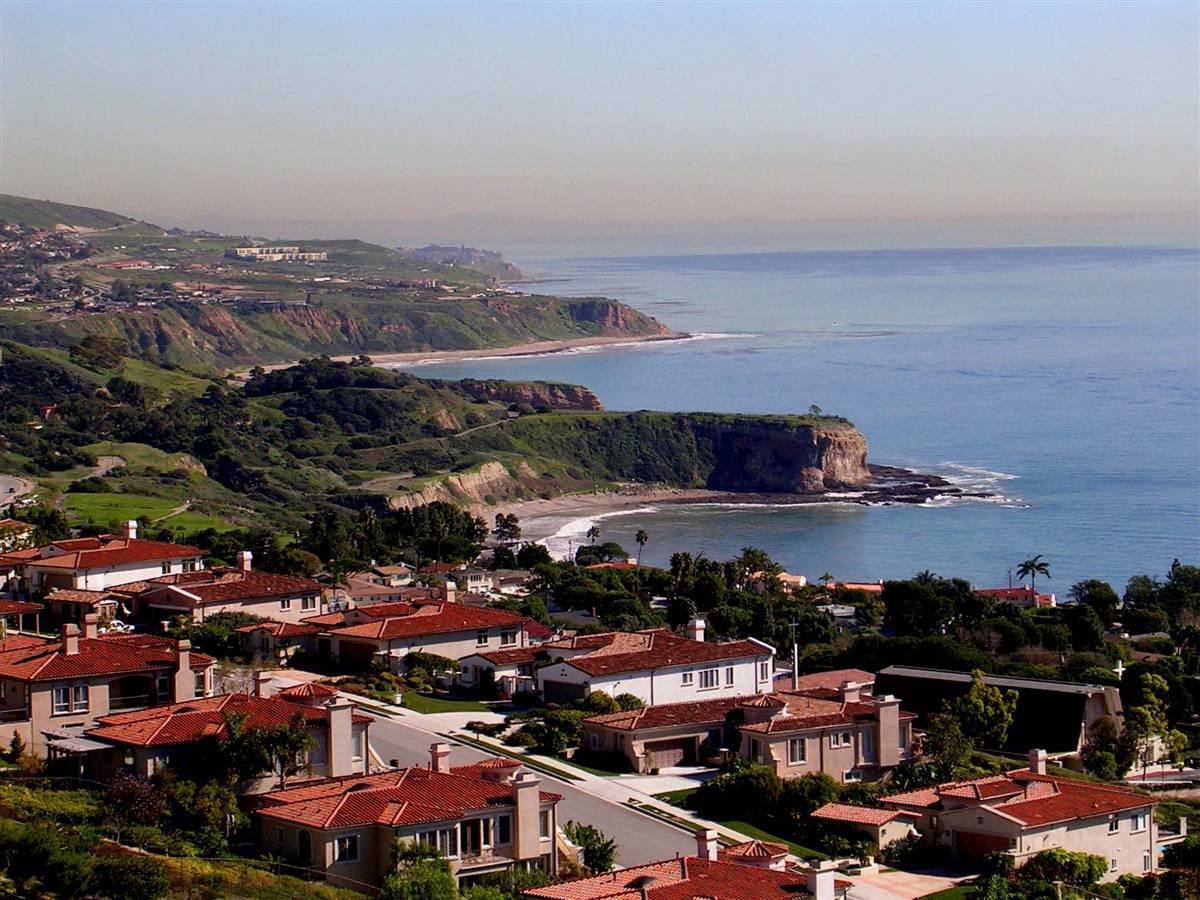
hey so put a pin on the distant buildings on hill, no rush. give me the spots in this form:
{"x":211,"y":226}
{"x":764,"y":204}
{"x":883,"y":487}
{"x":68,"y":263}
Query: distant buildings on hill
{"x":276,"y":254}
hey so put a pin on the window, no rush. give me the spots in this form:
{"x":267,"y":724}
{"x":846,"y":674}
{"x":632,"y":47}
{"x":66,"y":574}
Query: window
{"x":201,"y":684}
{"x":445,"y":840}
{"x":1112,"y":865}
{"x":508,"y":638}
{"x":162,"y":687}
{"x":481,"y":638}
{"x":595,"y":741}
{"x":867,"y":742}
{"x":79,"y":698}
{"x":851,"y":776}
{"x":709,"y":678}
{"x":279,"y":835}
{"x":62,"y":700}
{"x":1145,"y":862}
{"x":309,"y":603}
{"x":285,"y":603}
{"x":345,"y":848}
{"x":1114,"y":825}
{"x":764,"y":671}
{"x":189,"y":565}
{"x":1138,"y":822}
{"x":796,"y":751}
{"x":166,"y":567}
{"x":504,"y":830}
{"x":728,"y":676}
{"x":840,"y":739}
{"x":686,"y":679}
{"x":903,"y":737}
{"x":544,"y":823}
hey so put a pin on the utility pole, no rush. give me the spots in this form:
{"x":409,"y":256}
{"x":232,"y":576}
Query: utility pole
{"x":795,"y":659}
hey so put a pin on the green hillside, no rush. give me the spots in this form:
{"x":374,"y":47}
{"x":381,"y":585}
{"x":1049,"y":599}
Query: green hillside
{"x":47,"y":214}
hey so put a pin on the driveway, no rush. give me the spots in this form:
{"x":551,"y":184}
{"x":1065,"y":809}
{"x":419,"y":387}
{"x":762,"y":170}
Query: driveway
{"x":897,"y":885}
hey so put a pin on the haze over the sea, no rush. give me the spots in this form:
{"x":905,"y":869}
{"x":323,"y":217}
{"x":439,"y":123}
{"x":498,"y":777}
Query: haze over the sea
{"x":604,"y":129}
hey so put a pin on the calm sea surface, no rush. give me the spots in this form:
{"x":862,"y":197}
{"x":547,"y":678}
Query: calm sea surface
{"x":1068,"y":380}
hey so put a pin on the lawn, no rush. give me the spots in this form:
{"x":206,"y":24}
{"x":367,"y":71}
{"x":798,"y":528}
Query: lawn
{"x":424,"y":703}
{"x":137,"y":456}
{"x":102,"y":509}
{"x":958,"y":892}
{"x":679,"y":798}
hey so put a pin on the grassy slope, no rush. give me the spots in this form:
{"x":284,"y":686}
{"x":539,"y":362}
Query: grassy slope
{"x":47,"y":214}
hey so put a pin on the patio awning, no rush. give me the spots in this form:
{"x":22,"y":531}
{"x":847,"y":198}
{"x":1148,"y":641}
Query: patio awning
{"x":76,"y":745}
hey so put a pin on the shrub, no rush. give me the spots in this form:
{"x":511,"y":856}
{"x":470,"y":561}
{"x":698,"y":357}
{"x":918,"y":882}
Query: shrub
{"x":902,"y":853}
{"x":629,"y":702}
{"x":1076,"y":869}
{"x":130,"y":878}
{"x":430,"y":662}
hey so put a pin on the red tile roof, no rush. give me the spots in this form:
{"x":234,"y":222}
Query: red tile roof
{"x":635,"y":652}
{"x":185,"y":723}
{"x":755,"y":850}
{"x":308,"y":689}
{"x":280,"y":629}
{"x":40,"y":659}
{"x":817,"y":709}
{"x":508,"y":657}
{"x":667,"y":715}
{"x":827,"y":680}
{"x":105,"y":550}
{"x":684,"y":878}
{"x":1033,"y":800}
{"x":400,"y":797}
{"x":856,"y":815}
{"x":17,"y":607}
{"x":227,"y":584}
{"x":434,"y":618}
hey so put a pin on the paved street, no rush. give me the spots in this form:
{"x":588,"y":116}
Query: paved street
{"x":639,"y":838}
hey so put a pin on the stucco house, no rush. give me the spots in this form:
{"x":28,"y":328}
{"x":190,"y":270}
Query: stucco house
{"x":881,"y":825}
{"x":756,"y":869}
{"x":200,"y":594}
{"x":390,"y":631}
{"x":145,"y":741}
{"x":65,"y":684}
{"x":483,"y":818}
{"x":655,"y":666}
{"x":278,"y":641}
{"x":845,"y":734}
{"x":98,"y":563}
{"x":1024,"y":812}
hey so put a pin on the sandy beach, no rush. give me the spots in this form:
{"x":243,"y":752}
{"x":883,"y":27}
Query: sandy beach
{"x":529,"y":349}
{"x":560,"y":520}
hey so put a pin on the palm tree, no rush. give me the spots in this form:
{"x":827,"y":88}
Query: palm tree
{"x":592,"y":534}
{"x":925,"y":577}
{"x":1031,"y":569}
{"x":825,"y":579}
{"x":641,"y":537}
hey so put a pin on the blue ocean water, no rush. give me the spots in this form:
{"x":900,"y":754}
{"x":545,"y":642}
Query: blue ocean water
{"x":1068,"y":379}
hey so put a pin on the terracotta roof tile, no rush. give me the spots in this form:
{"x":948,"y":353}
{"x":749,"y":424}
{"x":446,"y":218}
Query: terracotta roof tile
{"x":43,"y":659}
{"x":755,"y":850}
{"x":17,"y":607}
{"x":399,"y":797}
{"x":658,"y":649}
{"x":856,"y":815}
{"x":280,"y":629}
{"x":226,"y":584}
{"x":439,"y":618}
{"x":106,"y":550}
{"x":185,"y":723}
{"x":685,"y":878}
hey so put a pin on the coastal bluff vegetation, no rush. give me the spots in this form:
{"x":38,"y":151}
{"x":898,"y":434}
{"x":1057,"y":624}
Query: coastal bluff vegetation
{"x":100,"y":432}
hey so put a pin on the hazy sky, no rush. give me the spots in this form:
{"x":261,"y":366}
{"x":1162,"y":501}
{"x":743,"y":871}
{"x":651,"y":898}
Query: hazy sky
{"x":613,"y":127}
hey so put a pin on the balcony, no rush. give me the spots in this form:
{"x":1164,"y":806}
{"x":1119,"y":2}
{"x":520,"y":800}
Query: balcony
{"x":7,"y":716}
{"x":130,"y":701}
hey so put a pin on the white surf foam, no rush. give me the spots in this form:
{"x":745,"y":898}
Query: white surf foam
{"x":573,"y":534}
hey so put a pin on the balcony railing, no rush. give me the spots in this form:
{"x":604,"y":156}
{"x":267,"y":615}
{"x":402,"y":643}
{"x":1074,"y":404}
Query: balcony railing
{"x":13,"y":715}
{"x":131,"y":701}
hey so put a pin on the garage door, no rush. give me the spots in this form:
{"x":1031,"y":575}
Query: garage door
{"x":677,"y":752}
{"x":562,"y":691}
{"x":974,"y":846}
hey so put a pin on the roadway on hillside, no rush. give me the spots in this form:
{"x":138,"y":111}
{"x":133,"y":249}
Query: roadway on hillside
{"x":640,"y":839}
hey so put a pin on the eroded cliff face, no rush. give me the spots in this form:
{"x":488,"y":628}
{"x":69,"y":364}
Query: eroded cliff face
{"x":615,"y":318}
{"x":538,"y":394}
{"x":765,"y":456}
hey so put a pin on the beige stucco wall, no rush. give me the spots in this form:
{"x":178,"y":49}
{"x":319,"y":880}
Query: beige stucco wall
{"x":454,"y":644}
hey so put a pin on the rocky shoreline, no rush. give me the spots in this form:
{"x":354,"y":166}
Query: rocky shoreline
{"x":889,"y":485}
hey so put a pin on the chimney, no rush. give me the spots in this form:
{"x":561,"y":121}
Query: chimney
{"x":820,"y":879}
{"x":887,"y":711}
{"x":850,"y":691}
{"x":527,"y":803}
{"x":262,"y":684}
{"x":439,"y":757}
{"x":185,"y":679}
{"x":706,"y":844}
{"x":448,"y":592}
{"x":129,"y":530}
{"x":340,"y":737}
{"x":91,"y":623}
{"x":244,"y":558}
{"x":696,"y":630}
{"x":70,"y":639}
{"x":1037,"y":762}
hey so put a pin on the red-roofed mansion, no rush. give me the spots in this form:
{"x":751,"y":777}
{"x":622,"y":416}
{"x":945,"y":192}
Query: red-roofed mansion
{"x":65,"y":684}
{"x":483,"y":818}
{"x":846,"y":734}
{"x":656,"y":666}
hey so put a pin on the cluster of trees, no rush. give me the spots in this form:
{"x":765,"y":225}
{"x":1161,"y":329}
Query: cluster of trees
{"x":556,"y":728}
{"x":421,"y":873}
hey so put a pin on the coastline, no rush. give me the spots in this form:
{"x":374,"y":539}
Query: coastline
{"x":532,"y":348}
